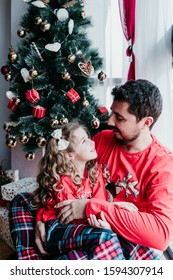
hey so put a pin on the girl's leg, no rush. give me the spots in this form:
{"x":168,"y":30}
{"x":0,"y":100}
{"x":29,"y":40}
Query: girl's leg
{"x":82,"y":242}
{"x":22,"y":224}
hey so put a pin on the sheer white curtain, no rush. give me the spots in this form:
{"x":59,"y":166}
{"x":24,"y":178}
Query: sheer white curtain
{"x":153,"y":57}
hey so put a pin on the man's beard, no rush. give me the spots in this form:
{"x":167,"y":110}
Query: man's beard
{"x":124,"y":141}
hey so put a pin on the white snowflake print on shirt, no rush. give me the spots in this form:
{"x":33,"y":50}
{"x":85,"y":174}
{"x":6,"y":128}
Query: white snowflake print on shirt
{"x":129,"y":187}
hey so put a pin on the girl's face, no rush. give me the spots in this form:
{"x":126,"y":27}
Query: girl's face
{"x":84,"y":147}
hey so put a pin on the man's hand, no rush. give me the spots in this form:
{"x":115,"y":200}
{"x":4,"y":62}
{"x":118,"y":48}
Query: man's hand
{"x":40,"y":236}
{"x":72,"y":209}
{"x":126,"y":205}
{"x":99,"y":223}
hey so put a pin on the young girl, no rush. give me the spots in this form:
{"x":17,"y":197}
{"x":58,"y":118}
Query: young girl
{"x":69,"y":170}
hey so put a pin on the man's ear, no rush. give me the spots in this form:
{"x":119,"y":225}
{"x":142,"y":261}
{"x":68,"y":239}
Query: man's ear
{"x":148,"y":121}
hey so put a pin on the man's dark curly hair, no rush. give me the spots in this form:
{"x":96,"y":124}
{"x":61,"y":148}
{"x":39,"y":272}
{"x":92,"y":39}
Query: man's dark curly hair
{"x":144,"y":98}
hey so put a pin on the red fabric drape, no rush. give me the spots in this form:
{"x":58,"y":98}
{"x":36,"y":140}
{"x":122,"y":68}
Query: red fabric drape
{"x":127,"y":17}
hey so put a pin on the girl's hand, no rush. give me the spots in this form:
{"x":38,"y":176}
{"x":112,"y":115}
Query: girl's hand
{"x":99,"y":223}
{"x":126,"y":205}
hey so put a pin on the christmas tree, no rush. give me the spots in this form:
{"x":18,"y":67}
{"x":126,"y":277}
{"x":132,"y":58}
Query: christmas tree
{"x":51,"y":74}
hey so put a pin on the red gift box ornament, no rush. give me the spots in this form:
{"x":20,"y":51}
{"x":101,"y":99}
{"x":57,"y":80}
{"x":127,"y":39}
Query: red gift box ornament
{"x":38,"y":112}
{"x":32,"y":95}
{"x":73,"y":95}
{"x":102,"y":110}
{"x":13,"y":104}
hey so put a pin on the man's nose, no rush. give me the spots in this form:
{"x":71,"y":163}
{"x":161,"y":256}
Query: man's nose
{"x":111,"y":121}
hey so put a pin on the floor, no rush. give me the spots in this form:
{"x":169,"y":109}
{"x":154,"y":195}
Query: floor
{"x":5,"y":250}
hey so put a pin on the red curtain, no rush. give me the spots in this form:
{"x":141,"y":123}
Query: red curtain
{"x":127,"y":17}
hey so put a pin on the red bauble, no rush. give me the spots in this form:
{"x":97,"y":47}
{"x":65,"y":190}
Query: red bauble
{"x":5,"y":70}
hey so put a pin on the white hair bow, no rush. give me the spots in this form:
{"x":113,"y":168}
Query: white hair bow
{"x":62,"y":143}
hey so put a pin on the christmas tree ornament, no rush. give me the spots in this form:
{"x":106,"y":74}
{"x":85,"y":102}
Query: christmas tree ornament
{"x":71,"y":58}
{"x":95,"y":122}
{"x":5,"y":69}
{"x":45,"y":26}
{"x":12,"y":56}
{"x":12,"y":104}
{"x":54,"y":123}
{"x":16,"y":100}
{"x":65,"y":75}
{"x":33,"y":73}
{"x":7,"y":77}
{"x":46,"y":1}
{"x":25,"y":75}
{"x":70,"y":4}
{"x":90,"y":90}
{"x":63,"y":120}
{"x":70,"y":26}
{"x":38,"y":4}
{"x":24,"y":139}
{"x":7,"y":126}
{"x":10,"y":94}
{"x":30,"y":156}
{"x":41,"y":142}
{"x":102,"y":76}
{"x":85,"y":103}
{"x":32,"y":95}
{"x":82,"y":4}
{"x":73,"y":95}
{"x":38,"y":112}
{"x":62,"y":14}
{"x":83,"y":14}
{"x":86,"y":68}
{"x":54,"y":47}
{"x":38,"y":20}
{"x":21,"y":32}
{"x":102,"y":110}
{"x":37,"y":50}
{"x":11,"y":142}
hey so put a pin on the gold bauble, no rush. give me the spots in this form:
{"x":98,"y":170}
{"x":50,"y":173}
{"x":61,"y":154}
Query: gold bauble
{"x":63,"y":120}
{"x":7,"y":127}
{"x":85,"y":103}
{"x":38,"y":20}
{"x":71,"y":58}
{"x":30,"y":156}
{"x":41,"y":142}
{"x":54,"y":123}
{"x":11,"y":142}
{"x":66,"y":76}
{"x":12,"y":56}
{"x":16,"y":101}
{"x":21,"y":32}
{"x":95,"y":123}
{"x":102,"y":76}
{"x":33,"y":73}
{"x":7,"y":77}
{"x":45,"y":26}
{"x":24,"y":139}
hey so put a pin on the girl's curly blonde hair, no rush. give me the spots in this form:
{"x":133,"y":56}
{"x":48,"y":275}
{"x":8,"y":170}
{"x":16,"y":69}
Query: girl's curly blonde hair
{"x":56,"y":163}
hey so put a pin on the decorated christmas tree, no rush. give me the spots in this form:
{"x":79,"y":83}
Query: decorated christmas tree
{"x":51,"y":74}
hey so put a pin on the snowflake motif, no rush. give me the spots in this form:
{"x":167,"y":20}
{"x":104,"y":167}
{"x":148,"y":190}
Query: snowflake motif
{"x":129,"y":187}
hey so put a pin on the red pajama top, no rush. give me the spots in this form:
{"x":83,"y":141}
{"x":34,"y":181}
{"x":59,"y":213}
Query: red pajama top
{"x":144,"y":178}
{"x":66,"y":189}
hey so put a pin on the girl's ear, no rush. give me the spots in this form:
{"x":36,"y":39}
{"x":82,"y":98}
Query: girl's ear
{"x":71,"y":155}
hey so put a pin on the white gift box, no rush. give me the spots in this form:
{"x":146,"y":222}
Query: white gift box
{"x":5,"y":227}
{"x":9,"y":191}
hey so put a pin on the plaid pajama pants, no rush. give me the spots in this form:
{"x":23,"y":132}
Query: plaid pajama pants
{"x":69,"y":242}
